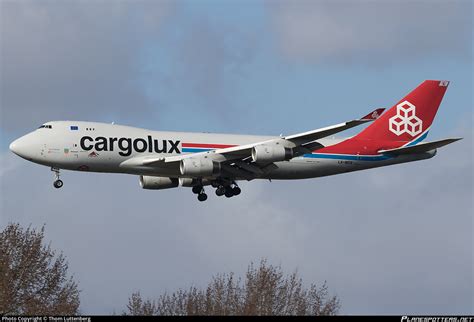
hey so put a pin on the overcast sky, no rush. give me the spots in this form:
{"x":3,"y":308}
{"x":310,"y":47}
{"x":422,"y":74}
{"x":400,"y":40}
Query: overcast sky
{"x":394,"y":240}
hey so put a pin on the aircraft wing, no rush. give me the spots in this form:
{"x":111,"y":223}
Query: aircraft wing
{"x":225,"y":154}
{"x":313,"y":135}
{"x":237,"y":160}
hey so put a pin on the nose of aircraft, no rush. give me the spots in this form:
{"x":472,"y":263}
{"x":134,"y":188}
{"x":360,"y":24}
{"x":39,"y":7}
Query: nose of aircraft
{"x":20,"y":147}
{"x":14,"y":146}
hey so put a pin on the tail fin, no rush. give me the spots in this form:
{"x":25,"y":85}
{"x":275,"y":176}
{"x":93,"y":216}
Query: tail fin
{"x":411,"y":117}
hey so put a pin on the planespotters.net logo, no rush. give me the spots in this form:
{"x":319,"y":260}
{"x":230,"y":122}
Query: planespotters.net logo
{"x":406,"y":120}
{"x":437,"y":319}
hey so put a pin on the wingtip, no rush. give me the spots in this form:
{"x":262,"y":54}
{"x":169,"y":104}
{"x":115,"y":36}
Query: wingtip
{"x":373,"y":115}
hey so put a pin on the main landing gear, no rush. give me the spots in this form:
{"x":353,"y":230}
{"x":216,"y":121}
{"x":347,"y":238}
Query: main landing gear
{"x":228,"y":191}
{"x":199,"y":190}
{"x":57,"y":183}
{"x":223,"y":188}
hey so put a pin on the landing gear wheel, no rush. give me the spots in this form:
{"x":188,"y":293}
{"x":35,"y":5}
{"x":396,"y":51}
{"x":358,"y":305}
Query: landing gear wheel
{"x":202,"y":197}
{"x":58,"y":184}
{"x":197,"y":189}
{"x":228,"y":192}
{"x":236,"y":191}
{"x":220,"y":191}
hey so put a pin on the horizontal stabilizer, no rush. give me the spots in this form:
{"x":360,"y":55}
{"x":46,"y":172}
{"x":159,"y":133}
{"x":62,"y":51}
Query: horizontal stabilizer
{"x":419,"y":148}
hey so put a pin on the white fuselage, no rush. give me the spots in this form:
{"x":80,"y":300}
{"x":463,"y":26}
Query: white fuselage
{"x":100,"y":147}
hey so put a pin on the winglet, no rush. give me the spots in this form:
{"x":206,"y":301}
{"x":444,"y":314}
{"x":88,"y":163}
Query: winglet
{"x":373,"y":115}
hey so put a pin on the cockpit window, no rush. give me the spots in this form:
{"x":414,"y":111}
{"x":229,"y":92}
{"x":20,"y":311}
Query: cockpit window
{"x":45,"y":126}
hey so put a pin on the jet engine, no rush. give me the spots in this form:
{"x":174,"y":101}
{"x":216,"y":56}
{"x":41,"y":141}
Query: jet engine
{"x":156,"y":183}
{"x":199,"y":167}
{"x":265,"y":153}
{"x":189,"y":182}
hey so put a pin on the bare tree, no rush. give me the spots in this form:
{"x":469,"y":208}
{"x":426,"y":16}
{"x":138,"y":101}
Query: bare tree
{"x":136,"y":305}
{"x":33,"y":278}
{"x":266,"y":290}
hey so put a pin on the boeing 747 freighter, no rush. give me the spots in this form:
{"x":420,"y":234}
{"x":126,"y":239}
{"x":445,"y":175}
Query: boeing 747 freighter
{"x":164,"y":160}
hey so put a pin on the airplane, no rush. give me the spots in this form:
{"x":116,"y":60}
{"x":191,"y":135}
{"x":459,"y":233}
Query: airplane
{"x":164,"y":160}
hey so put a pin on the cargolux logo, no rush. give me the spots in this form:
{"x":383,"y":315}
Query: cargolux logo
{"x":127,"y":145}
{"x":406,"y":120}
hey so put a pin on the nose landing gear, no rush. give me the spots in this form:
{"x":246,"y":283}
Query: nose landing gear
{"x":57,"y":182}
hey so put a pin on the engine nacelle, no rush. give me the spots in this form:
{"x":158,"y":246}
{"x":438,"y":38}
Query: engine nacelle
{"x":156,"y":183}
{"x":271,"y":153}
{"x":199,"y":167}
{"x":190,"y":182}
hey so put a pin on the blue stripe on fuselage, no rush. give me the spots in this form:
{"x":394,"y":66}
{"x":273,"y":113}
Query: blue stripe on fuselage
{"x":317,"y":155}
{"x":192,"y":150}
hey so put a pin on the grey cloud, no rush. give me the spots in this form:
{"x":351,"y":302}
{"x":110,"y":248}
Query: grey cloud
{"x":395,"y":240}
{"x":208,"y":63}
{"x":369,"y":32}
{"x":205,"y":58}
{"x":74,"y":60}
{"x":116,"y":61}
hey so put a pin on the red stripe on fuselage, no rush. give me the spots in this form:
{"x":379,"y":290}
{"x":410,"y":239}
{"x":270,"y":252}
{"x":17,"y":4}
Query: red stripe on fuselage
{"x":355,"y":146}
{"x":208,"y":146}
